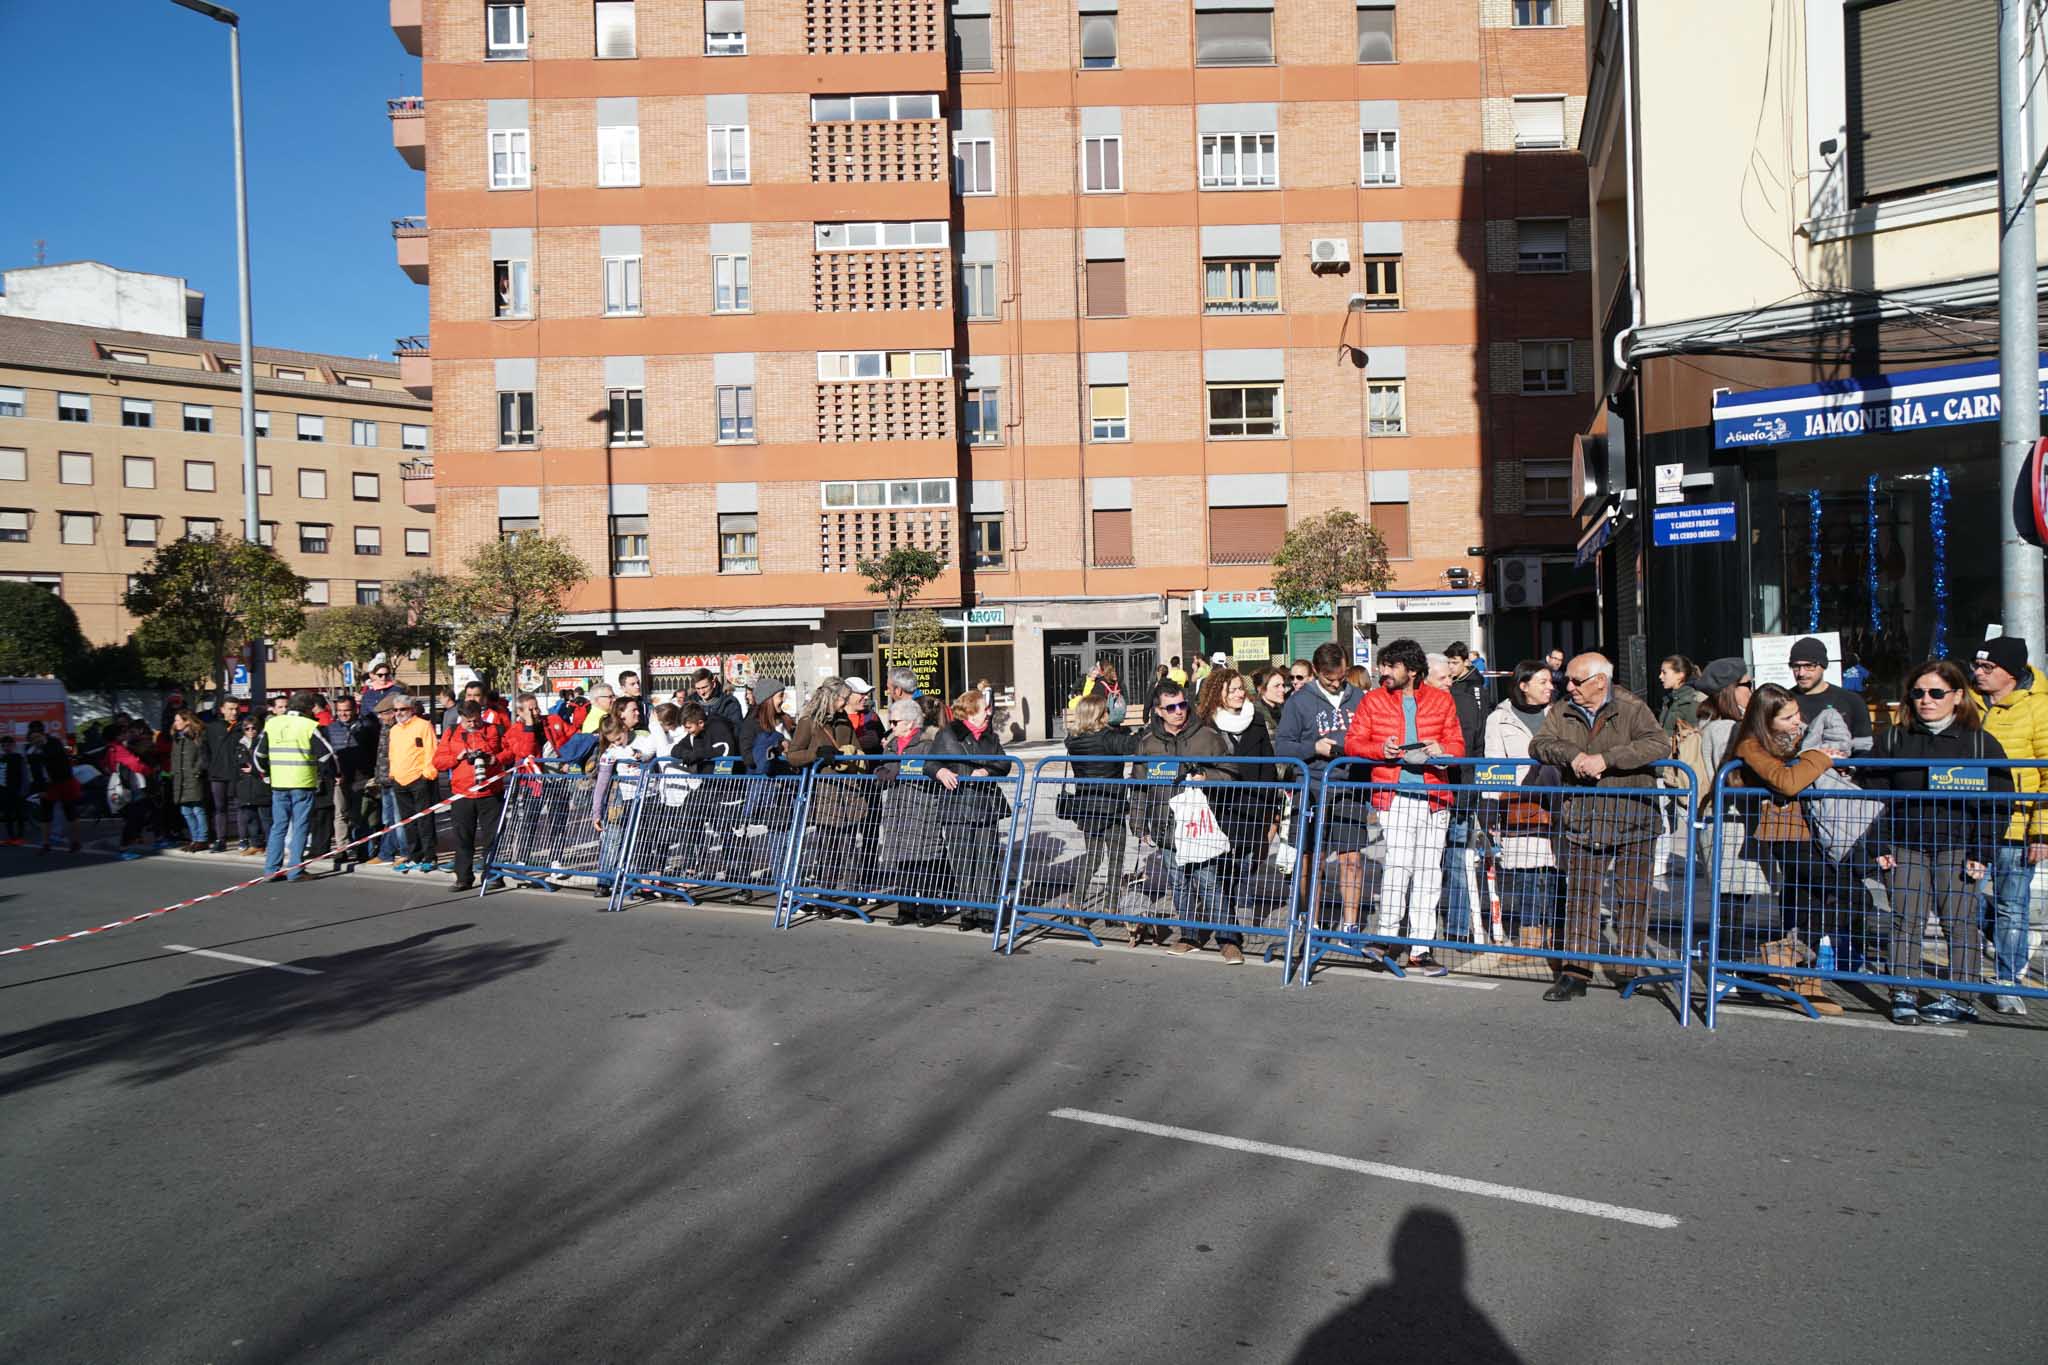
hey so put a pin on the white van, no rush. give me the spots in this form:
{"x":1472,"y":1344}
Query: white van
{"x":25,"y":699}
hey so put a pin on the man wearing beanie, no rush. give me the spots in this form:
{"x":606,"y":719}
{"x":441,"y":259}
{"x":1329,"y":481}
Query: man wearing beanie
{"x":1816,"y":694}
{"x":2016,"y":715}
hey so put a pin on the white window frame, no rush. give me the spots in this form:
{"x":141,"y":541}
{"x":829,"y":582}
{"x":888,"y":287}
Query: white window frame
{"x":66,"y":520}
{"x":866,"y":494}
{"x":262,"y":423}
{"x":130,"y":464}
{"x":911,"y":234}
{"x":1563,"y":141}
{"x":14,"y":527}
{"x":964,"y":184}
{"x":1214,"y":150}
{"x":1550,"y":379}
{"x":287,"y":372}
{"x":745,"y":555}
{"x":733,"y":137}
{"x":986,"y":293}
{"x":970,"y":431}
{"x":313,"y":423}
{"x":1209,"y":419}
{"x":1516,"y":11}
{"x":412,"y":436}
{"x":618,"y":156}
{"x":324,"y":541}
{"x":622,"y":286}
{"x":630,"y":544}
{"x":208,"y":476}
{"x":1116,"y":38}
{"x":425,"y":540}
{"x":74,"y":402}
{"x":842,"y":367}
{"x":317,"y":593}
{"x":862,"y":108}
{"x":515,"y":145}
{"x":627,"y":396}
{"x":519,"y":429}
{"x":129,"y":524}
{"x":617,"y":9}
{"x":13,"y":401}
{"x":138,"y":407}
{"x":732,"y":289}
{"x":1379,"y":158}
{"x":198,"y":417}
{"x":1103,"y":154}
{"x":515,"y":300}
{"x":1106,"y":430}
{"x":745,"y":428}
{"x":514,"y":48}
{"x":362,"y":432}
{"x":1398,"y":424}
{"x":722,"y":43}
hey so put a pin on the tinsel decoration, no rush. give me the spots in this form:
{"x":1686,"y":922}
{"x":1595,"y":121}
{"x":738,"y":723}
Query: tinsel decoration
{"x":1813,"y":561}
{"x":1937,"y":521}
{"x":1870,"y":555}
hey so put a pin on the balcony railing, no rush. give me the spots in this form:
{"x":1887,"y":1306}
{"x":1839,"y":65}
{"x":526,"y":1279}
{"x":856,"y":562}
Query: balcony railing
{"x":412,"y":225}
{"x":1241,"y":556}
{"x":416,"y":469}
{"x":412,"y":345}
{"x":407,"y":106}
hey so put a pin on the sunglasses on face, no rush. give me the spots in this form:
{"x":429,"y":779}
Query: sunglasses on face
{"x":1937,"y":693}
{"x":1173,"y":706}
{"x":1580,"y":682}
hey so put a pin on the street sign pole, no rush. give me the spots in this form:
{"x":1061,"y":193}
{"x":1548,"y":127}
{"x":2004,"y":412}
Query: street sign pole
{"x":2019,"y":326}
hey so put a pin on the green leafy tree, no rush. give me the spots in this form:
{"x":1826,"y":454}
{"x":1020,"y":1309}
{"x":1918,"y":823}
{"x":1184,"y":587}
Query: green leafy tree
{"x":432,"y":603}
{"x":510,"y":604}
{"x":339,"y":635}
{"x":919,"y":628}
{"x":169,"y":651}
{"x":899,"y":576}
{"x":108,"y":668}
{"x":210,"y":596}
{"x":1328,"y":556}
{"x":41,"y":636}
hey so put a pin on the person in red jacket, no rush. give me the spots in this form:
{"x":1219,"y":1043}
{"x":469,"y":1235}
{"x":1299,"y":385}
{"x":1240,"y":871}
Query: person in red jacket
{"x":1404,"y":724}
{"x":474,"y":754}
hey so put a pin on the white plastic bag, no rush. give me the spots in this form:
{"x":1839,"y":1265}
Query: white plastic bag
{"x":1196,"y":836}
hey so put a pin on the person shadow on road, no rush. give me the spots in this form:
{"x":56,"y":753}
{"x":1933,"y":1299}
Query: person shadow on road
{"x":1422,"y":1316}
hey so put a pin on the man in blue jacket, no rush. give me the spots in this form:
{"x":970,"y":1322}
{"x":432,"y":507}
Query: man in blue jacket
{"x":1313,"y":724}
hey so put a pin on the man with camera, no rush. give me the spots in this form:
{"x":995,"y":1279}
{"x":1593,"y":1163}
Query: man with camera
{"x":474,"y":755}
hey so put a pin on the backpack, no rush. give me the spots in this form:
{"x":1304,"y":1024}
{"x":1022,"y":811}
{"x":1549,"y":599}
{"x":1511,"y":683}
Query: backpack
{"x":577,"y":751}
{"x":1118,"y":707}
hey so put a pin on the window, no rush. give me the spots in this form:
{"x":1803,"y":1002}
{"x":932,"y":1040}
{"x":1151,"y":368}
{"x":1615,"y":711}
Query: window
{"x":262,"y":423}
{"x":1105,"y":286}
{"x":985,"y":540}
{"x":1386,"y":408}
{"x":369,"y":594}
{"x":1098,"y":41}
{"x":1110,"y":538}
{"x":622,"y":286}
{"x":515,"y":419}
{"x":984,"y":421}
{"x":511,"y":163}
{"x":739,"y":542}
{"x":1240,"y":286}
{"x":1109,"y":412}
{"x":1921,"y":97}
{"x":353,"y":381}
{"x":1539,"y":123}
{"x":312,"y":428}
{"x":12,"y":401}
{"x":363,"y":487}
{"x":1380,"y":282}
{"x":138,"y":530}
{"x":978,"y":284}
{"x":138,"y":412}
{"x":412,"y":437}
{"x":369,"y":540}
{"x":418,"y":541}
{"x":840,"y":497}
{"x":266,"y":533}
{"x":283,"y":372}
{"x":728,"y":155}
{"x":361,"y":433}
{"x":730,"y":291}
{"x":1535,"y":13}
{"x":615,"y":28}
{"x":75,"y":528}
{"x":972,"y":49}
{"x":505,"y":32}
{"x":974,"y":165}
{"x":13,"y":465}
{"x":1246,"y":535}
{"x":840,"y":365}
{"x":1379,"y":157}
{"x":735,"y":413}
{"x":512,"y":288}
{"x":198,"y":417}
{"x":74,"y":467}
{"x":138,"y":471}
{"x":1546,"y":367}
{"x":1240,"y":161}
{"x":1390,"y":519}
{"x":313,"y":484}
{"x":1102,"y":165}
{"x":1541,"y":245}
{"x":74,"y":407}
{"x":725,"y":28}
{"x":867,"y":236}
{"x":1237,"y":410}
{"x":1375,"y":33}
{"x":629,"y":547}
{"x":1234,"y":37}
{"x":625,"y":416}
{"x":618,"y":156}
{"x":262,"y":480}
{"x":1546,"y":487}
{"x":872,"y":108}
{"x":13,"y":527}
{"x":202,"y":528}
{"x":511,"y":528}
{"x":316,"y":593}
{"x":199,"y":476}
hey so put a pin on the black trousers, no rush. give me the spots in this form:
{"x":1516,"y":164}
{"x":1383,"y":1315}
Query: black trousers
{"x":475,"y":822}
{"x":418,"y":836}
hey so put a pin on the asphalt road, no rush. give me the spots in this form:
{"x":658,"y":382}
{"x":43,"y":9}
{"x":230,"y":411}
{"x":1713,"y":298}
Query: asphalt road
{"x":519,"y":1130}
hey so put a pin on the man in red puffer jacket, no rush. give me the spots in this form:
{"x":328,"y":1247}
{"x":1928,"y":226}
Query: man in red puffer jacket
{"x":1403,"y":724}
{"x":474,"y":754}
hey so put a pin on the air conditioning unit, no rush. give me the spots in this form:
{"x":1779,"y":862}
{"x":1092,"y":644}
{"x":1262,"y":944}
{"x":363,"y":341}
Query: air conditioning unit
{"x":1329,"y":251}
{"x":1518,"y":582}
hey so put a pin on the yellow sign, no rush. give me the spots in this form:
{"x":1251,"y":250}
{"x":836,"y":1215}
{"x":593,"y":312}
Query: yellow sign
{"x":1255,"y":650}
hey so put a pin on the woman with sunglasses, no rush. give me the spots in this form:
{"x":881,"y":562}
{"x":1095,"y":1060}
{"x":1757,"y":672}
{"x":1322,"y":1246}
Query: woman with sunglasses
{"x":1936,"y":850}
{"x":382,"y":685}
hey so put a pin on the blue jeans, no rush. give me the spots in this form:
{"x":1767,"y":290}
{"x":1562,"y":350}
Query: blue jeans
{"x":2006,"y":892}
{"x":1457,"y":886}
{"x":290,"y":809}
{"x":195,"y":823}
{"x":392,"y":846}
{"x":1198,"y":896}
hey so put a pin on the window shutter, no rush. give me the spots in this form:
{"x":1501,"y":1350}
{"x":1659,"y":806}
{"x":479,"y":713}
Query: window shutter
{"x":1375,"y":34}
{"x":1098,"y":37}
{"x":725,"y":16}
{"x":1544,"y":239}
{"x":1923,"y":95}
{"x":1391,"y":519}
{"x":1245,"y":535}
{"x":1539,"y":123}
{"x":1113,"y":537}
{"x":1106,"y":289}
{"x":614,"y":28}
{"x":1234,"y":38}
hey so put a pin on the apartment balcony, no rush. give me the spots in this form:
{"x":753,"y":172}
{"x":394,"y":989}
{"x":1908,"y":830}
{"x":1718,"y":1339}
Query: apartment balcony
{"x":410,"y":237}
{"x":873,"y":281}
{"x":887,"y":410}
{"x":861,"y":26}
{"x":416,"y":479}
{"x":405,"y":22}
{"x":409,"y":129}
{"x":415,"y":366}
{"x":906,"y":151}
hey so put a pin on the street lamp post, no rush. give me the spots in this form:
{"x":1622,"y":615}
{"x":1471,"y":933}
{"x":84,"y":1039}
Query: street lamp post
{"x":251,"y":525}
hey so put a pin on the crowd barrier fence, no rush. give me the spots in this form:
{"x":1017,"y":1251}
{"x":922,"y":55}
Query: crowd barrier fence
{"x":719,"y":830}
{"x":548,"y":833}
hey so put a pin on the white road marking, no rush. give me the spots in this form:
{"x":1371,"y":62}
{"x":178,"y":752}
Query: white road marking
{"x":244,"y":961}
{"x":1405,"y":1174}
{"x":1798,"y":1016}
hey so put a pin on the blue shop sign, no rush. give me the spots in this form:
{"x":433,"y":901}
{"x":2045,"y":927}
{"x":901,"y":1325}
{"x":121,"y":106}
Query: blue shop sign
{"x":1911,"y":400}
{"x":1707,"y":523}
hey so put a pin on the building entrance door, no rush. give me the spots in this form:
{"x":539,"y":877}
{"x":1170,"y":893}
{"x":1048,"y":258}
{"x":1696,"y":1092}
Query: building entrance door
{"x":1133,"y":653}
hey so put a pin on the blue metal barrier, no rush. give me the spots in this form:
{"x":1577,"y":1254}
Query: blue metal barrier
{"x":1871,"y":887}
{"x":1554,"y":848}
{"x":548,"y":833}
{"x":1194,"y":845}
{"x":722,"y":829}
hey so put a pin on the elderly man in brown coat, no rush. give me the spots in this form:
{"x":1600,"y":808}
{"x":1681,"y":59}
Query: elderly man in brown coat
{"x":1603,"y":738}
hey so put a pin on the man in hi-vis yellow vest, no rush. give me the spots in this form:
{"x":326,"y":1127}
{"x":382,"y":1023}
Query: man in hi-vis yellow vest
{"x":295,"y":758}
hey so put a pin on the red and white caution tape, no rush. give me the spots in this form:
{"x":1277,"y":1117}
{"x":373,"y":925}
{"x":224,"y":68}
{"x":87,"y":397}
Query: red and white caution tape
{"x":239,"y":886}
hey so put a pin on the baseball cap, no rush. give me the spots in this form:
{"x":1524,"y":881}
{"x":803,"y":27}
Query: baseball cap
{"x":859,"y":685}
{"x":1219,"y":657}
{"x":1809,"y":651}
{"x":2009,"y":652}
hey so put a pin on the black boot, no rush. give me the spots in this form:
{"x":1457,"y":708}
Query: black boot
{"x":1568,"y":986}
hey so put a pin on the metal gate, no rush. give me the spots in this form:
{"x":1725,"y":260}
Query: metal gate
{"x":1134,"y":653}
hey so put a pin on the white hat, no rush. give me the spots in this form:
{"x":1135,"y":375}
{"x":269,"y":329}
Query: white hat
{"x":1219,"y":657}
{"x":859,"y":685}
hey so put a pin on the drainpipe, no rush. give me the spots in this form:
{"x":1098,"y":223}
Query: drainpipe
{"x":1626,"y":18}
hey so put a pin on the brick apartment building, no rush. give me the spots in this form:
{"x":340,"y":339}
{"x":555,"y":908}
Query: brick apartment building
{"x":121,"y":431}
{"x":1095,"y":297}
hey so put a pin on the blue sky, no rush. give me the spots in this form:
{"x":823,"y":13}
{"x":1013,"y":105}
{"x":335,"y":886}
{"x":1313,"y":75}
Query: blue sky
{"x":121,"y":150}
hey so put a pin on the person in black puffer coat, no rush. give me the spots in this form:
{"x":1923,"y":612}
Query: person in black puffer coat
{"x":1095,"y":804}
{"x":971,"y":813}
{"x":1245,"y":806}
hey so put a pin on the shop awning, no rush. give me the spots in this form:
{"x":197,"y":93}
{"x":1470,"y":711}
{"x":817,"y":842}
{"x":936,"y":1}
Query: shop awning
{"x":1911,"y":400}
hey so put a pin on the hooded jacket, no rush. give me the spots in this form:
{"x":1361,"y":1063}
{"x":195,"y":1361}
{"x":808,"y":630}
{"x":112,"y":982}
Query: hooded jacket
{"x":1311,"y":715}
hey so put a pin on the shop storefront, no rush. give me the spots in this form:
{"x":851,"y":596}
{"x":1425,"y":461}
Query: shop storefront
{"x":1252,"y":630}
{"x":978,"y":647}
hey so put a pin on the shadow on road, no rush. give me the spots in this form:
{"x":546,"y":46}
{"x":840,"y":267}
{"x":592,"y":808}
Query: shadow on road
{"x":1422,"y":1316}
{"x":213,"y":1019}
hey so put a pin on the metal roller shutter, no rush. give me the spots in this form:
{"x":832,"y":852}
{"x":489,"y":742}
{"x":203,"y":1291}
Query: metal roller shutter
{"x":1112,"y":538}
{"x":1433,"y":633}
{"x":1245,"y":535}
{"x":1923,"y":95}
